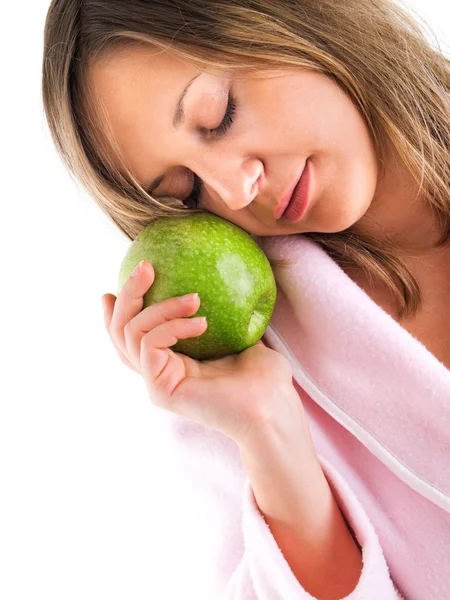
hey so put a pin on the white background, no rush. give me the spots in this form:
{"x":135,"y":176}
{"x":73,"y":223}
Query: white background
{"x":85,"y":509}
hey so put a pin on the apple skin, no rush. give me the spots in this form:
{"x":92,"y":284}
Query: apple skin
{"x":220,"y":261}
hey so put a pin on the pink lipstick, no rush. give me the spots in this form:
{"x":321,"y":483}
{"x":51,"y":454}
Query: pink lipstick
{"x":298,"y":203}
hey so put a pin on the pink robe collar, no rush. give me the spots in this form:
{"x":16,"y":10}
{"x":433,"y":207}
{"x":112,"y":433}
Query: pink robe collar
{"x":355,"y":361}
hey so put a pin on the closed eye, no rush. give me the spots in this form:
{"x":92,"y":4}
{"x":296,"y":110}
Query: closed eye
{"x":228,"y":118}
{"x":193,"y":199}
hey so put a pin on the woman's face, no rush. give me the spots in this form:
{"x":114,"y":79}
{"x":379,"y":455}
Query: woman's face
{"x":279,"y":122}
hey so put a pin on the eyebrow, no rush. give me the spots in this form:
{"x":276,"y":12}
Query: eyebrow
{"x":178,"y":120}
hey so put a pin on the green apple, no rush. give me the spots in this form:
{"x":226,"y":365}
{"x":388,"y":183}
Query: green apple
{"x":206,"y":254}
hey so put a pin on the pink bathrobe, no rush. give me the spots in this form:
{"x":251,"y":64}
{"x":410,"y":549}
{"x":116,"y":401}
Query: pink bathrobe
{"x":378,"y":405}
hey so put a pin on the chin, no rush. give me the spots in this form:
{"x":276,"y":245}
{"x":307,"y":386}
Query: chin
{"x":337,"y":216}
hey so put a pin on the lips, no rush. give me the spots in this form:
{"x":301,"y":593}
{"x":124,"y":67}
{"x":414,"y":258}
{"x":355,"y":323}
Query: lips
{"x":282,"y":204}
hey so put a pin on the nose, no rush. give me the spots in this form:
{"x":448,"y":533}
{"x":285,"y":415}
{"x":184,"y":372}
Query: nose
{"x":233,"y":181}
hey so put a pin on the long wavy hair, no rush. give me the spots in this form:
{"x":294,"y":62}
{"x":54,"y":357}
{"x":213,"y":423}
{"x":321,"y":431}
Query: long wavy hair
{"x":375,"y":51}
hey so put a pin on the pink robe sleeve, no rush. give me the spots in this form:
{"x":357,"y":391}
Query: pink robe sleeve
{"x":244,"y":561}
{"x":264,"y":574}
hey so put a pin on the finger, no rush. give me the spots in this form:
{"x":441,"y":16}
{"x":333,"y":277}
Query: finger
{"x":163,"y":370}
{"x":150,"y":318}
{"x":109,"y":301}
{"x":129,"y":303}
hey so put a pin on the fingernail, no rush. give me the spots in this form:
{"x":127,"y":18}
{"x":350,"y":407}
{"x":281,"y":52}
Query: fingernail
{"x":199,"y":320}
{"x":188,"y":297}
{"x":138,"y":269}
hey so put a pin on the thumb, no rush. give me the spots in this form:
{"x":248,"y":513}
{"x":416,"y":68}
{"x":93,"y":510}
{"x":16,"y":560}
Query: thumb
{"x":108,"y":303}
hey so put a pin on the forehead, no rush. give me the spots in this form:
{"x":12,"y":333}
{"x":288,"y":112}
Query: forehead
{"x":126,"y":66}
{"x":136,"y":91}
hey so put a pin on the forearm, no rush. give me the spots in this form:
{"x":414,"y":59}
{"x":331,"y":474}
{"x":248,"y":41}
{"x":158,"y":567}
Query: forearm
{"x":293,"y":494}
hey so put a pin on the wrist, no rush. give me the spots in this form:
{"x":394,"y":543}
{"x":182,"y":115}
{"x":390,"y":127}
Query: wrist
{"x":281,"y":421}
{"x":320,"y":549}
{"x":284,"y":471}
{"x":298,"y":505}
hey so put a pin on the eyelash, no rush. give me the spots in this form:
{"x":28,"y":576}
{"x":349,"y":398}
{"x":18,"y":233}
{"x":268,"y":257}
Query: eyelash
{"x":194,"y":196}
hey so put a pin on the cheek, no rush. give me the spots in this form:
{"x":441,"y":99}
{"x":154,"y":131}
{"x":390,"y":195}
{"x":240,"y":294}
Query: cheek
{"x":344,"y":189}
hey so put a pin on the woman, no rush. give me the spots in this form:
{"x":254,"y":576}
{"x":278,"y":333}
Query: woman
{"x":341,"y":421}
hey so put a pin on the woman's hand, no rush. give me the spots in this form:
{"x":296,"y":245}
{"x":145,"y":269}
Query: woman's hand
{"x":239,"y":395}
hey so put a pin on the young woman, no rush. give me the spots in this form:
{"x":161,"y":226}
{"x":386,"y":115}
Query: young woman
{"x":328,"y":466}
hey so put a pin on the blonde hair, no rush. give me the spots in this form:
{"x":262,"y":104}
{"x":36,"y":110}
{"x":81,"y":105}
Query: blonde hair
{"x":375,"y":51}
